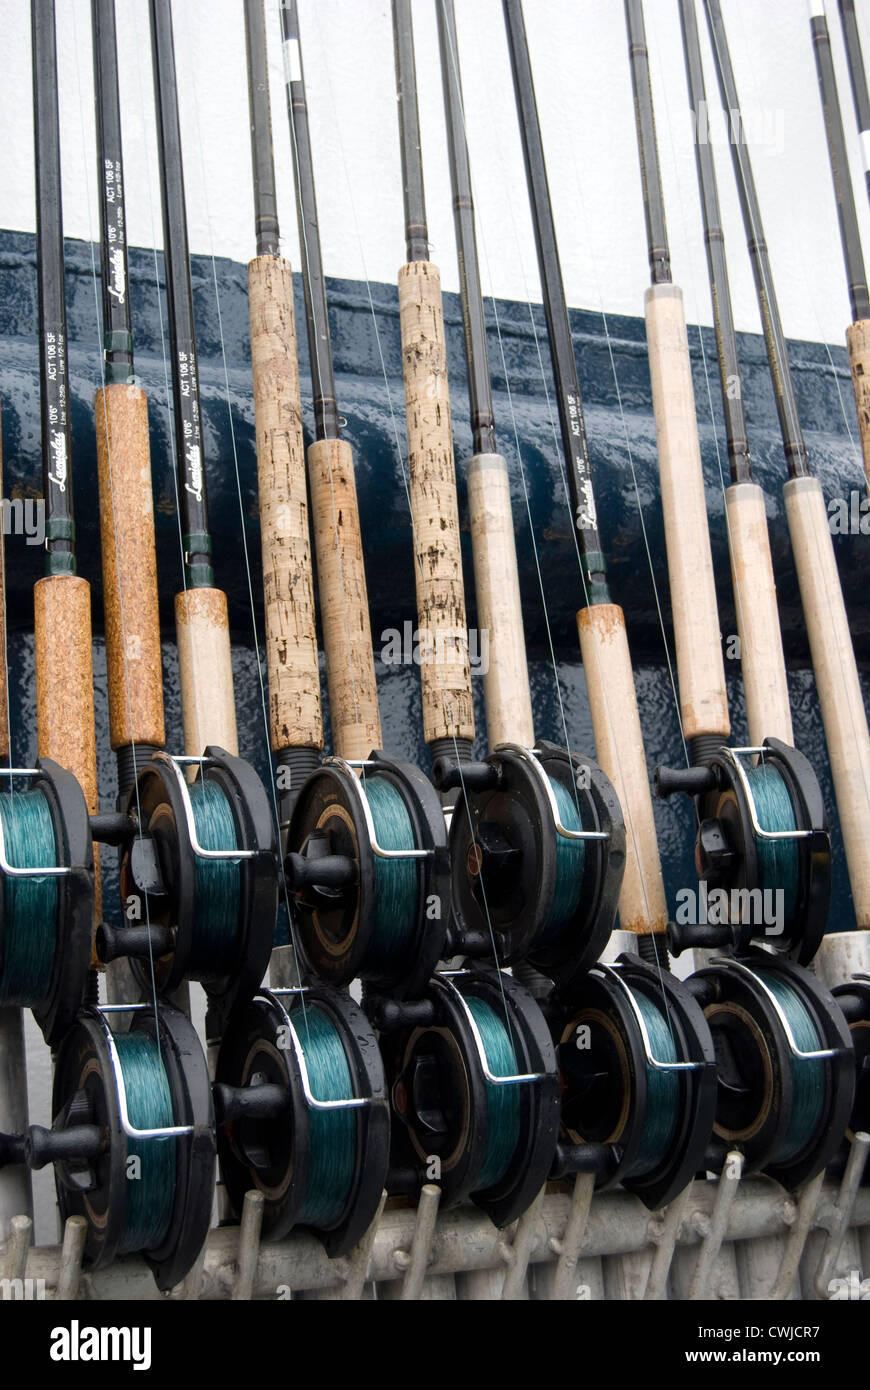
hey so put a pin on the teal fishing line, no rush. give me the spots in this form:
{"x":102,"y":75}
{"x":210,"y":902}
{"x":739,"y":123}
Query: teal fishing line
{"x":570,"y":862}
{"x":332,"y":1133}
{"x":777,"y":859}
{"x":662,"y":1092}
{"x":502,"y":1102}
{"x":808,"y":1075}
{"x":218,"y":882}
{"x":150,"y":1195}
{"x":396,"y":880}
{"x":29,"y":904}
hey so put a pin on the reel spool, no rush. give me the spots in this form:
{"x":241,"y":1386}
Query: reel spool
{"x":638,"y":1077}
{"x":303,"y":1115}
{"x":853,"y":998}
{"x":762,"y":831}
{"x":367,"y":863}
{"x":785,"y":1060}
{"x":537,"y":846}
{"x":46,"y":893}
{"x":143,"y":1095}
{"x":480,"y":1097}
{"x":203,"y":863}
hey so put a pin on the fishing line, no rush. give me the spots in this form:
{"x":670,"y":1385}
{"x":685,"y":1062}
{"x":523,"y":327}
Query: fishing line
{"x":149,"y":1198}
{"x":29,"y":904}
{"x":661,"y":1115}
{"x":332,"y":1133}
{"x":502,"y":1102}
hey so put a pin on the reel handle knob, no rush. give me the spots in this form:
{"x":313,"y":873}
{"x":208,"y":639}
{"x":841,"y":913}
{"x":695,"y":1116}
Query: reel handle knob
{"x":265,"y":1102}
{"x":327,"y":871}
{"x":140,"y":943}
{"x":694,"y":781}
{"x":78,"y":1143}
{"x":389,"y":1014}
{"x":682,"y":936}
{"x":112,"y":827}
{"x":447,"y":773}
{"x":583,"y":1158}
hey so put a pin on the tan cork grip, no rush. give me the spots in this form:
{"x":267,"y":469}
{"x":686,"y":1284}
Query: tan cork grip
{"x":858,"y":343}
{"x":836,"y":677}
{"x":767,"y":704}
{"x":132,"y":615}
{"x":700,"y":667}
{"x":65,"y":728}
{"x":619,"y":743}
{"x":444,"y":669}
{"x":208,"y":707}
{"x":4,"y":694}
{"x":344,"y":604}
{"x":501,"y":644}
{"x":295,"y":719}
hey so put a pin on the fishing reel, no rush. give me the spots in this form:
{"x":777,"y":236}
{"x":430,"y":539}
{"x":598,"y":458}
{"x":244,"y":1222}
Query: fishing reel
{"x":763,"y":851}
{"x":132,"y":1141}
{"x":46,"y":895}
{"x":785,"y":1060}
{"x":537,"y":848}
{"x":303,"y":1115}
{"x":199,"y":865}
{"x":853,"y":998}
{"x":474,"y":1092}
{"x":638,"y":1076}
{"x":368,"y":867}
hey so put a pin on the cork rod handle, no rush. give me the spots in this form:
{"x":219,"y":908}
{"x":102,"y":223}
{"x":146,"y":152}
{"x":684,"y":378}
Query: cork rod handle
{"x":202,"y":628}
{"x":700,"y":667}
{"x":858,"y":344}
{"x":132,"y":615}
{"x":344,"y":605}
{"x":619,"y":744}
{"x":295,"y":719}
{"x":444,"y":666}
{"x":836,"y":677}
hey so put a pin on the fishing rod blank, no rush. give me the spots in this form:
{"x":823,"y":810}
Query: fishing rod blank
{"x":201,"y":617}
{"x":830,"y":640}
{"x":540,"y":895}
{"x":295,"y":720}
{"x":496,"y":580}
{"x":857,"y":78}
{"x":601,"y":624}
{"x":781,"y":793}
{"x":768,"y":710}
{"x":858,"y":332}
{"x":132,"y":615}
{"x":448,"y":718}
{"x":344,"y":610}
{"x":700,"y":667}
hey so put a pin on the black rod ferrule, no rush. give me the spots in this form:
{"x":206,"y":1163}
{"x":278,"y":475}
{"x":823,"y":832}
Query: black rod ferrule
{"x":647,"y":147}
{"x":117,"y":333}
{"x":262,"y":160}
{"x":416,"y":229}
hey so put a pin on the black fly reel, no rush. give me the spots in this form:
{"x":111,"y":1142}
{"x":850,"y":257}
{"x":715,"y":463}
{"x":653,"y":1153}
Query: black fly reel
{"x":199,"y":867}
{"x":638,"y":1077}
{"x":474,"y":1091}
{"x":367,"y":864}
{"x":537,"y":847}
{"x":785,"y":1060}
{"x":132,"y":1141}
{"x":763,"y":851}
{"x":303,"y":1115}
{"x":853,"y":998}
{"x":46,"y":895}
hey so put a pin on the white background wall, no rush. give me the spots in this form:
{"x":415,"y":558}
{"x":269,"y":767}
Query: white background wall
{"x":579,"y":54}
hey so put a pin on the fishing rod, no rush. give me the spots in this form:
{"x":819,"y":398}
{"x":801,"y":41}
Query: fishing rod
{"x":857,"y":79}
{"x":201,"y":617}
{"x":700,"y":666}
{"x":635,"y":1008}
{"x":827,"y":624}
{"x":734,"y":797}
{"x":132,"y":615}
{"x":858,"y":332}
{"x":295,"y":719}
{"x":199,"y":857}
{"x":601,"y":623}
{"x":448,"y":717}
{"x":559,"y":919}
